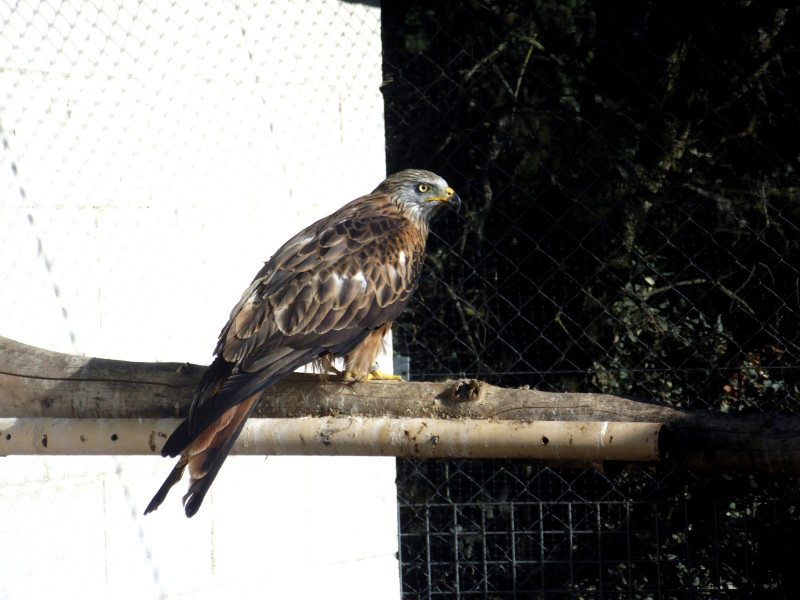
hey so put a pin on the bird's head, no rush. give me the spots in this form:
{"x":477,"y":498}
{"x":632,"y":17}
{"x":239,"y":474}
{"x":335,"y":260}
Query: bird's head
{"x":419,"y":193}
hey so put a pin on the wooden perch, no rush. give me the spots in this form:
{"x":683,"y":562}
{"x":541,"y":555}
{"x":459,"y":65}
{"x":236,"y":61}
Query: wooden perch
{"x":352,"y":436}
{"x":464,"y":418}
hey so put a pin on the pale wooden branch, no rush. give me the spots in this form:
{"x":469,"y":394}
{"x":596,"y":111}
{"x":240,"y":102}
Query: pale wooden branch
{"x":575,"y":442}
{"x":36,"y":383}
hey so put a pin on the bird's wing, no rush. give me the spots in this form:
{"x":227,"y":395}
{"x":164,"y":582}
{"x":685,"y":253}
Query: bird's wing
{"x":321,"y":293}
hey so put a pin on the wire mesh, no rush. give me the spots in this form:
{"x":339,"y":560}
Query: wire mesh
{"x":511,"y":531}
{"x":631,"y":225}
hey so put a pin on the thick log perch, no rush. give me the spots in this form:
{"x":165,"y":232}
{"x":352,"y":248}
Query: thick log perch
{"x":37,"y":384}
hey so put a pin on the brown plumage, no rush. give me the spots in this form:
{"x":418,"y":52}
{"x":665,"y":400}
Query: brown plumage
{"x":332,"y":290}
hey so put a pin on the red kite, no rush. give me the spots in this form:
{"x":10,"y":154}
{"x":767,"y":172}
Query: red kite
{"x":331,"y":291}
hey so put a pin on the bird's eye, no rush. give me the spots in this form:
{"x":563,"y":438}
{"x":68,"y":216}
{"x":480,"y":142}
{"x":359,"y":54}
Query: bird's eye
{"x":424,"y":187}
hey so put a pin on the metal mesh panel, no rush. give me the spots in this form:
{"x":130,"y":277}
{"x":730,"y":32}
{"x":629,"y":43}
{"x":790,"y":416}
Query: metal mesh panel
{"x":630,"y":225}
{"x":492,"y":530}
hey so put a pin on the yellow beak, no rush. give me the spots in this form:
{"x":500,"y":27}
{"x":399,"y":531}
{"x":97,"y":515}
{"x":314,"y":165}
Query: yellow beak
{"x":450,"y":198}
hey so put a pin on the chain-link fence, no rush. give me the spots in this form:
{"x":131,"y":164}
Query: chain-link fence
{"x":632,"y":226}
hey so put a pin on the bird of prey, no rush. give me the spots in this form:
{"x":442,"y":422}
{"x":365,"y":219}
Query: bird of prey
{"x":331,"y":291}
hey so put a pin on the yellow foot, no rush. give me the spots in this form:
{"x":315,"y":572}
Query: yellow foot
{"x":379,"y":375}
{"x":375,"y":375}
{"x":350,"y":377}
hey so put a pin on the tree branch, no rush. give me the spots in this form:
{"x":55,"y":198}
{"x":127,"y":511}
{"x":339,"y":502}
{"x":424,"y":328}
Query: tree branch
{"x":573,"y":442}
{"x":466,"y":418}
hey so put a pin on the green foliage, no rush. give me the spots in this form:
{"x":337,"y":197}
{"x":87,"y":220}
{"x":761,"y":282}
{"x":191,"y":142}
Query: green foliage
{"x":632,"y":203}
{"x":631,"y":225}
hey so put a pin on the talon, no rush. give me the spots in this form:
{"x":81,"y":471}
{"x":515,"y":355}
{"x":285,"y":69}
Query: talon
{"x":374,"y":375}
{"x":352,"y":377}
{"x":379,"y":375}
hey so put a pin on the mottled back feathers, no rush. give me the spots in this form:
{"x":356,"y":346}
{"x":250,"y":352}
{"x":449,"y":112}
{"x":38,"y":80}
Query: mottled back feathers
{"x":332,"y":290}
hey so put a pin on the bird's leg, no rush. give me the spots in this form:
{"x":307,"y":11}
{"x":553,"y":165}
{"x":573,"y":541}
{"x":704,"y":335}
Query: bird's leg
{"x":374,"y":375}
{"x":337,"y":372}
{"x":325,"y":366}
{"x":352,"y":377}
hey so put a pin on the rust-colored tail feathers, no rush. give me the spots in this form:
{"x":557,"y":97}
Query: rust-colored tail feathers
{"x":205,"y":456}
{"x":223,"y":403}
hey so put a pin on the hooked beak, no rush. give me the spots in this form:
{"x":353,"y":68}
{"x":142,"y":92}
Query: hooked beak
{"x":450,"y":198}
{"x":453,"y":201}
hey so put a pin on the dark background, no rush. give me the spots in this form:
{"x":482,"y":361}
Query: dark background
{"x":631,"y":224}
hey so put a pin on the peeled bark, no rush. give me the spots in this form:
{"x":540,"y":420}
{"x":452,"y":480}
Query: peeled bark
{"x":36,"y":383}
